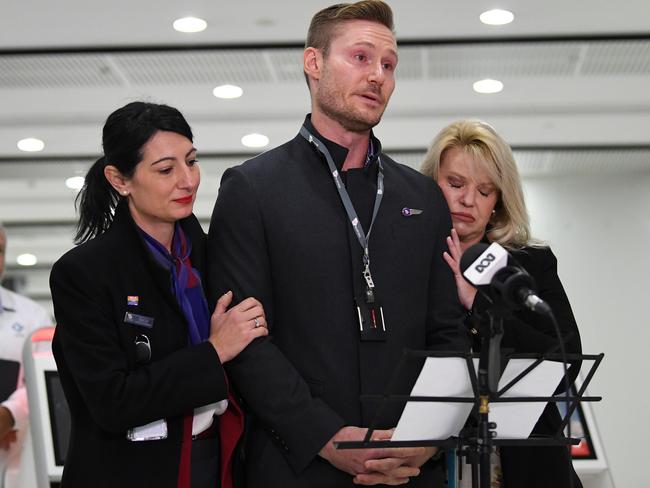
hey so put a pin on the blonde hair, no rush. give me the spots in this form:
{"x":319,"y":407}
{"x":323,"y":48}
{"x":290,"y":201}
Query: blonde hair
{"x":509,"y":226}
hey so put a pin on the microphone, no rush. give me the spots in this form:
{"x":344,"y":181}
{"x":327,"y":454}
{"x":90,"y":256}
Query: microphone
{"x":494,"y":268}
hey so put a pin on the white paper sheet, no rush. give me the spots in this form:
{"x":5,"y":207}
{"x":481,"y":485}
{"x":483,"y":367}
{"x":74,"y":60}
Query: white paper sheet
{"x":436,"y":420}
{"x":449,"y":377}
{"x":516,"y":420}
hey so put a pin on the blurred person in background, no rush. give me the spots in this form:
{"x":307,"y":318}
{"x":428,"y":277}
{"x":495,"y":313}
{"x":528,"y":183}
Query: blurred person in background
{"x":19,"y":317}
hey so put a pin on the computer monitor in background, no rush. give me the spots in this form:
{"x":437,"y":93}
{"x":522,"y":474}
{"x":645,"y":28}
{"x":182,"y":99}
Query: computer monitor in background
{"x":9,"y":371}
{"x":59,"y":416}
{"x":48,"y":410}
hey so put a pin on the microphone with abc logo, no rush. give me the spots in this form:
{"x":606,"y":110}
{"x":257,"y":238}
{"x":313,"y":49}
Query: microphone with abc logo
{"x":492,"y":267}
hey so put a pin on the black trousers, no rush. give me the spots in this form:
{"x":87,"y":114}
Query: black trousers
{"x":206,"y":460}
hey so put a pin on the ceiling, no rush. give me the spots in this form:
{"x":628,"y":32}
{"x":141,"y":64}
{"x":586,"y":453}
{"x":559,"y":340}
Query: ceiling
{"x":576,"y":95}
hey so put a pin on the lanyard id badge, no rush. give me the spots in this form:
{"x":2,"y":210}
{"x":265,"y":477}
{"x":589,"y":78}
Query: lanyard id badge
{"x":372,"y":326}
{"x":370,"y":314}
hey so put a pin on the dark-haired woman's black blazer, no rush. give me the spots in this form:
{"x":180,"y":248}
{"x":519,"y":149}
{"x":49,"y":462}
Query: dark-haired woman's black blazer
{"x":93,"y":287}
{"x":527,"y":332}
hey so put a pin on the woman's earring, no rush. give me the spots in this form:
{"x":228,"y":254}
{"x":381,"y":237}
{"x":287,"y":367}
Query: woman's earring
{"x":126,"y":192}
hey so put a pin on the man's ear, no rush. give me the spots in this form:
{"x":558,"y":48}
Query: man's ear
{"x":313,"y":63}
{"x":116,"y":179}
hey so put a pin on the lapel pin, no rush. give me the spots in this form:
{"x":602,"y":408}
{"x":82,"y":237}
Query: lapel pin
{"x":407,"y":212}
{"x":132,"y":300}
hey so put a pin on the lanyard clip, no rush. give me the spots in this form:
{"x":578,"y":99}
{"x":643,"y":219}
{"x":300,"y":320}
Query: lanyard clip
{"x":370,"y":285}
{"x":368,"y":277}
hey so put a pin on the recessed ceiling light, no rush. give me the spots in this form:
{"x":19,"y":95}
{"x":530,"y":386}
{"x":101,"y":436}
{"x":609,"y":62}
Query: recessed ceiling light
{"x":30,"y":144}
{"x":75,"y":182}
{"x":227,"y":91}
{"x":255,"y":140}
{"x":488,"y":86}
{"x":265,"y":22}
{"x":497,"y":17}
{"x":26,"y":260}
{"x":190,"y":24}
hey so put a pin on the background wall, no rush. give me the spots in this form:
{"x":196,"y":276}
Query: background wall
{"x":599,"y":228}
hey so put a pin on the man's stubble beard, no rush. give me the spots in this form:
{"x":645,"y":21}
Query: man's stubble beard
{"x":331,"y":102}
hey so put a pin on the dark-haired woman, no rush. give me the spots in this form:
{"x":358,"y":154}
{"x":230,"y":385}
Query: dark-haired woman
{"x":478,"y":175}
{"x":138,"y":352}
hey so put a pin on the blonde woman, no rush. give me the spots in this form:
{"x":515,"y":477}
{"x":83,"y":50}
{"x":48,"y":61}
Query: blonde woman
{"x":478,"y":175}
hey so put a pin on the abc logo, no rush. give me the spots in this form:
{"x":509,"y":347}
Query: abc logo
{"x":485,"y":263}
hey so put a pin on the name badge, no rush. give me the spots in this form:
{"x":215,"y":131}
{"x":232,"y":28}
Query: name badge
{"x":150,"y":432}
{"x":372,"y":327}
{"x":136,"y":319}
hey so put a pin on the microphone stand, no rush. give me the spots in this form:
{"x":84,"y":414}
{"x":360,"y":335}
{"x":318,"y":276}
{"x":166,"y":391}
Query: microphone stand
{"x":489,"y":372}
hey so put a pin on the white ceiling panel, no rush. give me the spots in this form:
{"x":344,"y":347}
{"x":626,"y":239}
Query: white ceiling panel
{"x":79,"y":23}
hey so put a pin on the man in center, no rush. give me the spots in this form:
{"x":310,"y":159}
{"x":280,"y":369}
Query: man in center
{"x":344,"y":248}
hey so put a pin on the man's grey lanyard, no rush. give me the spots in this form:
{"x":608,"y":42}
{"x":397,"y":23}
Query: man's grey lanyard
{"x":363,"y":239}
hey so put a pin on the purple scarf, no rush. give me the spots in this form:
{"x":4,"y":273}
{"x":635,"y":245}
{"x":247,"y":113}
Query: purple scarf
{"x":186,"y":282}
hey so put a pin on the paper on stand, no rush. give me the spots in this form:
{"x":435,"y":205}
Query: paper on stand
{"x":516,"y":420}
{"x":448,"y":377}
{"x":436,"y":420}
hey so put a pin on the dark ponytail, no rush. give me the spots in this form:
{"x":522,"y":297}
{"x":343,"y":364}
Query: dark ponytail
{"x":95,"y":203}
{"x":125,"y":132}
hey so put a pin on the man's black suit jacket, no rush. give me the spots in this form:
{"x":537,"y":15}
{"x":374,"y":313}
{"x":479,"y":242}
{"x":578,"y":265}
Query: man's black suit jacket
{"x":279,"y":233}
{"x":108,"y":392}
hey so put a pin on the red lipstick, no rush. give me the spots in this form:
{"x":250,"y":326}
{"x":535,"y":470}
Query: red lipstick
{"x":184,"y":200}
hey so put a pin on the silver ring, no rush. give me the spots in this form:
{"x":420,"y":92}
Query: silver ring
{"x":256,"y":321}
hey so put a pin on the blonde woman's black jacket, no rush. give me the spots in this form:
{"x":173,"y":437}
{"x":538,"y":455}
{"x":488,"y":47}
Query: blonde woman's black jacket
{"x":528,"y":332}
{"x":93,"y":287}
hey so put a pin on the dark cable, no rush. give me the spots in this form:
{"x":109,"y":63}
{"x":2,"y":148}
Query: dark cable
{"x":567,"y":384}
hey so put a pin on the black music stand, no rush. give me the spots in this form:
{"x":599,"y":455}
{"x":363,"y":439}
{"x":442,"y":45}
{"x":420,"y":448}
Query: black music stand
{"x":476,"y":446}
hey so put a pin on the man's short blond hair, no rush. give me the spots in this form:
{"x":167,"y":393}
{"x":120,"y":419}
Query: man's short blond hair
{"x":324,"y":24}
